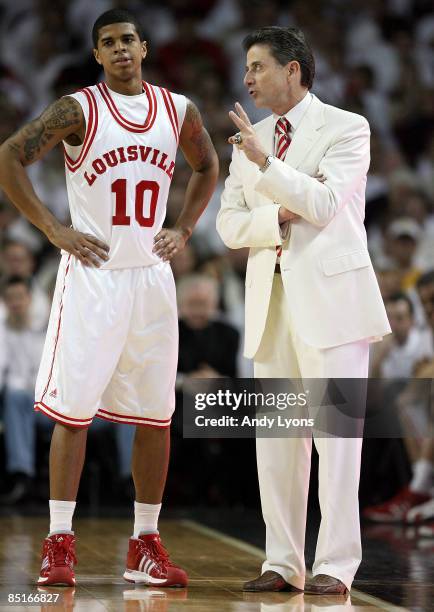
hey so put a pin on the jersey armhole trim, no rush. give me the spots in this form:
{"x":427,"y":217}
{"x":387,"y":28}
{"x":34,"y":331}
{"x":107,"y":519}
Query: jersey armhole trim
{"x":91,"y":128}
{"x":171,"y":111}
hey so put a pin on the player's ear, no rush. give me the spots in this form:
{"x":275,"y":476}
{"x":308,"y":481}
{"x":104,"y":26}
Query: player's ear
{"x":144,"y":49}
{"x":97,"y":57}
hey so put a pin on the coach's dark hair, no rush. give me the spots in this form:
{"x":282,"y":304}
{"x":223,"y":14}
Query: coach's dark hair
{"x":115,"y":16}
{"x":286,"y":45}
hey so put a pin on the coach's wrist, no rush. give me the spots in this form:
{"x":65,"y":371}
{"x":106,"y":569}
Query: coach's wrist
{"x":266,"y":164}
{"x":261,"y":161}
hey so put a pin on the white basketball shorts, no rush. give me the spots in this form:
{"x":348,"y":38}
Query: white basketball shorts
{"x":111,"y":348}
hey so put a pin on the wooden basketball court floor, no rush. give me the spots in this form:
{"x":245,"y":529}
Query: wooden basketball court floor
{"x":217,"y":566}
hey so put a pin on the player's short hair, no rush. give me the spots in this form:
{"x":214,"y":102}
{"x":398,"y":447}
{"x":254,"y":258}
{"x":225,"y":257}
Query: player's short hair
{"x":286,"y":45}
{"x":400,"y":296}
{"x":115,"y":16}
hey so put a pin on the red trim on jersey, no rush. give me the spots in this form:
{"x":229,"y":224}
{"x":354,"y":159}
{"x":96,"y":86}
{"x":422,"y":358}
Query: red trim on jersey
{"x":92,"y":126}
{"x":56,"y":416}
{"x":172,"y":104}
{"x":171,"y":111}
{"x":121,"y":418}
{"x":125,"y":123}
{"x":58,"y":330}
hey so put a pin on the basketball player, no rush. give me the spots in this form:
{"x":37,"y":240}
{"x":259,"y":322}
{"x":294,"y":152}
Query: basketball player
{"x":112,"y":341}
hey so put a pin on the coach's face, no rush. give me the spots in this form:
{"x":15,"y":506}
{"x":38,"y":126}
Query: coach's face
{"x":268,"y":82}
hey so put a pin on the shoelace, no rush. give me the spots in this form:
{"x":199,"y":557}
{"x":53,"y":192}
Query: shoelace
{"x":60,"y":552}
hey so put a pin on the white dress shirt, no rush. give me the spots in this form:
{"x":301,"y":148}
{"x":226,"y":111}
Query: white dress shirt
{"x":296,"y":113}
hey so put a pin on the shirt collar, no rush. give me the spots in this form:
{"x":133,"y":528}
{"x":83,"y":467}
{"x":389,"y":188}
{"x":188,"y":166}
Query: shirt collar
{"x":295,"y":114}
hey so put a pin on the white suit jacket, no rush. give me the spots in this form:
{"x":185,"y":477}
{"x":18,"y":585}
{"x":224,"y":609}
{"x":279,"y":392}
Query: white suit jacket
{"x":329,"y":281}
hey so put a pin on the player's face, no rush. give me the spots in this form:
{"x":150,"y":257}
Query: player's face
{"x":268,"y":82}
{"x":120,"y":50}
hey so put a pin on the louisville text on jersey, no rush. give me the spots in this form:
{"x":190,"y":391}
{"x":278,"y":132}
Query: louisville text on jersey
{"x":133,"y":153}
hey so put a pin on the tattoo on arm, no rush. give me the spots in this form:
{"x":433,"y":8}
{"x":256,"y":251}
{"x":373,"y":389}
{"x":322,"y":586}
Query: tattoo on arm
{"x":198,"y":138}
{"x":28,"y":142}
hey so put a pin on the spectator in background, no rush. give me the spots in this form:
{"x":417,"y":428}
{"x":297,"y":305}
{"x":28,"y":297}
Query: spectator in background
{"x":363,"y":97}
{"x":414,"y":501}
{"x":189,"y":57}
{"x":399,"y":353}
{"x":207,"y":347}
{"x":24,"y":349}
{"x":417,"y":206}
{"x":402,"y":240}
{"x":18,"y":260}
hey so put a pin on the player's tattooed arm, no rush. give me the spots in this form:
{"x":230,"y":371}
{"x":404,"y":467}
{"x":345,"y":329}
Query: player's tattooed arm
{"x":200,"y":154}
{"x":195,"y":141}
{"x":62,"y":120}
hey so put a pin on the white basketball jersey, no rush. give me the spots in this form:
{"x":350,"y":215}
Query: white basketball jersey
{"x":118,"y":180}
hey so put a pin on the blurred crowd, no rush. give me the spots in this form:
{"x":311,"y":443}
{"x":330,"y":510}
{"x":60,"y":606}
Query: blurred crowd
{"x":373,"y":57}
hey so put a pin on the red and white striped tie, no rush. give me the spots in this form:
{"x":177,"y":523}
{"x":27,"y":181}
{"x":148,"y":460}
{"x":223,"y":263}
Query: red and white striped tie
{"x":282,"y":140}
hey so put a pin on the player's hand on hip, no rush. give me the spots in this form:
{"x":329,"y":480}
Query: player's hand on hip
{"x":168,"y":242}
{"x":88,"y":249}
{"x":246,"y":139}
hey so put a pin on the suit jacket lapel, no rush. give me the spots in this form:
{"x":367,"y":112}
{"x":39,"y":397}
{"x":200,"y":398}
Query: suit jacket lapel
{"x":307,"y":133}
{"x":265,"y":133}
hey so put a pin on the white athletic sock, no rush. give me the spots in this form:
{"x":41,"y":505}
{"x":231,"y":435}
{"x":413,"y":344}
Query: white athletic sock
{"x":145,"y":518}
{"x":61,"y":513}
{"x":422,"y":475}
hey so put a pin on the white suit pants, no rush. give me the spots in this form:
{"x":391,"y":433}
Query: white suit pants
{"x":284,"y":463}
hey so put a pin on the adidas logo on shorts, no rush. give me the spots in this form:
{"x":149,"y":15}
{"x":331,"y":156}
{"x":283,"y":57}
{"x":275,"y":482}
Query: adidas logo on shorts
{"x":53,"y":393}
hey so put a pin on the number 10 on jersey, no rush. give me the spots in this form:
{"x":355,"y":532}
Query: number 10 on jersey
{"x":120,"y":217}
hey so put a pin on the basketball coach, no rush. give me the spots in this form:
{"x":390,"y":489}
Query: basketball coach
{"x":296,"y":196}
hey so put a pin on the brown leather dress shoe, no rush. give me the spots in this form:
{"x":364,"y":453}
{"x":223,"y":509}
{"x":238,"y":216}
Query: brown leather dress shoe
{"x":325,"y":585}
{"x":269,"y":581}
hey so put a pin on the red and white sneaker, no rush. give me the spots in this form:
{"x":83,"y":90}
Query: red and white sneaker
{"x":395,"y":510}
{"x":58,"y":558}
{"x":148,"y":562}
